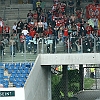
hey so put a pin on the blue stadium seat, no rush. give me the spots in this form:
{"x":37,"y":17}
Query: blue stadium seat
{"x":18,"y":72}
{"x":1,"y":64}
{"x":26,"y":70}
{"x":16,"y":69}
{"x":1,"y":70}
{"x":6,"y":65}
{"x":28,"y":65}
{"x":14,"y":82}
{"x":10,"y":70}
{"x":18,"y":85}
{"x":14,"y":72}
{"x":22,"y":64}
{"x":5,"y":77}
{"x":32,"y":64}
{"x":5,"y":83}
{"x":24,"y":75}
{"x":20,"y":68}
{"x":1,"y":73}
{"x":1,"y":81}
{"x":11,"y":78}
{"x":12,"y":66}
{"x":17,"y":78}
{"x":17,"y":64}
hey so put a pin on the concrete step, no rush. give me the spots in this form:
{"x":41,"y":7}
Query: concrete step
{"x":21,"y":6}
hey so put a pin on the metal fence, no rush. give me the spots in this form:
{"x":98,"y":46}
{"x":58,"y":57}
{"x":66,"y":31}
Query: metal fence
{"x":50,"y":46}
{"x":68,"y":81}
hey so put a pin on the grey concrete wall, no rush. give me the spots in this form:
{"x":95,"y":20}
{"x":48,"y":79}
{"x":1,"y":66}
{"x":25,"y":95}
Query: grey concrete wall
{"x":77,"y":58}
{"x":36,"y":86}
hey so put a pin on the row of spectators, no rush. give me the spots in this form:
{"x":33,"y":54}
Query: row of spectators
{"x":54,"y":25}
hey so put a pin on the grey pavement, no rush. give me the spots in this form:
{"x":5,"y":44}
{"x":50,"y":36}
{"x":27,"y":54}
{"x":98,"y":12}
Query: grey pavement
{"x":88,"y":95}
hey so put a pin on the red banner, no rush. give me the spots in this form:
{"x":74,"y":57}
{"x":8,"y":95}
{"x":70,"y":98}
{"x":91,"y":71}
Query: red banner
{"x":92,"y":11}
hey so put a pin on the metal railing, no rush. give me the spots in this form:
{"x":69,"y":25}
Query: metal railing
{"x":49,"y":46}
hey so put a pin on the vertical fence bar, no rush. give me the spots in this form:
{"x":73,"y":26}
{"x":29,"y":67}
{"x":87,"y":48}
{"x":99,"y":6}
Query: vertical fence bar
{"x":68,"y":45}
{"x":25,"y":50}
{"x":94,"y":45}
{"x":81,"y":45}
{"x":55,"y":46}
{"x":42,"y":50}
{"x":2,"y":57}
{"x":37,"y":46}
{"x":12,"y":52}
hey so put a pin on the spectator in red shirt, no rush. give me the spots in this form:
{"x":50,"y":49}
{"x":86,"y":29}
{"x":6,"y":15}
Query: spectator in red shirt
{"x":98,"y":32}
{"x":6,"y":30}
{"x":35,"y":15}
{"x":65,"y":35}
{"x":22,"y":39}
{"x":32,"y":33}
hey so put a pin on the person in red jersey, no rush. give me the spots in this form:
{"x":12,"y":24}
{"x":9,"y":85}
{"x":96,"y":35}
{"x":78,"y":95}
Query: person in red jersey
{"x":35,"y":15}
{"x":6,"y":30}
{"x":65,"y":34}
{"x":89,"y":29}
{"x":32,"y":33}
{"x":22,"y":39}
{"x":98,"y":32}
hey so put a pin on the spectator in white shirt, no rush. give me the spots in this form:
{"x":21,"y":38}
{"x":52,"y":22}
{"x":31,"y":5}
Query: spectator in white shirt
{"x":14,"y":28}
{"x":25,"y":31}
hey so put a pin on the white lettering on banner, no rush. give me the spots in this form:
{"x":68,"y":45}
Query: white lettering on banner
{"x":7,"y":93}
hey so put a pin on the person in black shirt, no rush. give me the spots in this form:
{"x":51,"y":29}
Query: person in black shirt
{"x":71,"y":6}
{"x":39,"y":10}
{"x":29,"y":16}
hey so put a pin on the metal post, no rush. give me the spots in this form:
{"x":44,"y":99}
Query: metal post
{"x":81,"y":46}
{"x":49,"y":83}
{"x":37,"y":46}
{"x":12,"y":52}
{"x":81,"y":75}
{"x":94,"y":45}
{"x":96,"y":78}
{"x":10,"y":1}
{"x":68,"y":45}
{"x":65,"y":81}
{"x":2,"y":55}
{"x":25,"y":50}
{"x":42,"y":50}
{"x":55,"y":47}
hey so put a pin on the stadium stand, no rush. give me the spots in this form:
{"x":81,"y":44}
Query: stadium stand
{"x":14,"y":74}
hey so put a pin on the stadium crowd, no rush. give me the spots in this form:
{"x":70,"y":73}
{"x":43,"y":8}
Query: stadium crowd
{"x":64,"y":23}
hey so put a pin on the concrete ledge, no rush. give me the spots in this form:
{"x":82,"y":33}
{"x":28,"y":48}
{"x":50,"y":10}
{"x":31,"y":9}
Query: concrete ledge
{"x":80,"y":58}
